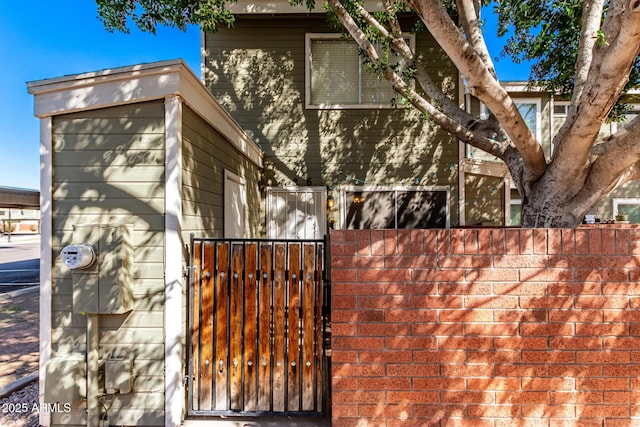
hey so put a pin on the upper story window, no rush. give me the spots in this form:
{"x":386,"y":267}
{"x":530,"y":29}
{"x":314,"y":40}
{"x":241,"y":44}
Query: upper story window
{"x":531,"y":111}
{"x":560,"y":108}
{"x":337,"y":77}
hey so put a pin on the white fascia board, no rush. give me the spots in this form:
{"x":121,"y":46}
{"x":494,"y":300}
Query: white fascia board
{"x":139,"y":83}
{"x":249,"y":7}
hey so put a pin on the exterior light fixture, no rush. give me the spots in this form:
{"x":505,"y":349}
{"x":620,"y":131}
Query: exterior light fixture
{"x":330,"y":202}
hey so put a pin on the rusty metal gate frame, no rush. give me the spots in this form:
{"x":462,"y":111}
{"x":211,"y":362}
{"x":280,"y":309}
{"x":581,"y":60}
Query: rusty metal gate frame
{"x":291,"y":277}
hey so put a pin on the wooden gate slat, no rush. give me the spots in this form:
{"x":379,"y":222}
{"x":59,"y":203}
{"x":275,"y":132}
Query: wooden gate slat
{"x":256,"y":326}
{"x":319,"y":349}
{"x":195,"y":331}
{"x":279,"y":361}
{"x":221,"y":339}
{"x":206,"y":338}
{"x":236,"y":326}
{"x":250,"y":327}
{"x":293,"y":329}
{"x":264,"y":329}
{"x":308,"y":328}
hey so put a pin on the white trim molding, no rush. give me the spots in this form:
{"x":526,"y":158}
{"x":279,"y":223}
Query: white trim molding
{"x":173,"y":352}
{"x":46,"y":257}
{"x":139,"y":83}
{"x":252,"y":7}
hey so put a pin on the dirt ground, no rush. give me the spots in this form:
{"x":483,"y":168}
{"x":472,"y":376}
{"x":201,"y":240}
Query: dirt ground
{"x":19,"y":337}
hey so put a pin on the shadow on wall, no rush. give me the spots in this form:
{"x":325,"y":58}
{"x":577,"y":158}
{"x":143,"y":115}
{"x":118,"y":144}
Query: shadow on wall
{"x":109,"y":169}
{"x":207,"y":155}
{"x":489,"y":324}
{"x":263,"y":88}
{"x":484,"y":200}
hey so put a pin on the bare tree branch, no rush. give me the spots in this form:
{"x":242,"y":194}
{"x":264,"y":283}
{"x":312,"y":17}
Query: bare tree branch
{"x":591,"y":17}
{"x":483,"y":84}
{"x":454,"y":127}
{"x":469,"y":14}
{"x":608,"y":74}
{"x":400,"y":45}
{"x":616,"y":162}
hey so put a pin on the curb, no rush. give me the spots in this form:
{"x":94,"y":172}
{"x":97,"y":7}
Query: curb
{"x":19,"y":292}
{"x":17,"y":385}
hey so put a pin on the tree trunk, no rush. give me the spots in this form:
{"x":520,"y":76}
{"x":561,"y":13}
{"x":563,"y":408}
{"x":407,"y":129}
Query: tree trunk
{"x":546,"y":207}
{"x":547,"y":217}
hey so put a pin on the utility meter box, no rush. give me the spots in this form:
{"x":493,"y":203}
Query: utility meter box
{"x":103,"y":286}
{"x":65,"y":379}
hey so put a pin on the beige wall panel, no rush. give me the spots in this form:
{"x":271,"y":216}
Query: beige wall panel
{"x":98,"y":190}
{"x":261,"y":81}
{"x":206,"y":155}
{"x":111,"y":144}
{"x":109,"y":168}
{"x":80,"y":123}
{"x":110,"y":173}
{"x":82,"y":158}
{"x":484,"y":200}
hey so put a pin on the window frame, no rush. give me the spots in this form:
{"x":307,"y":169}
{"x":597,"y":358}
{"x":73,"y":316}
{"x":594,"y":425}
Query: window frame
{"x":308,"y":39}
{"x":484,"y":114}
{"x":395,"y":188}
{"x":617,"y":201}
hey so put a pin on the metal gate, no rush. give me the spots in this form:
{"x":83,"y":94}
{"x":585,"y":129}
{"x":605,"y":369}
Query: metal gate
{"x":257,"y":327}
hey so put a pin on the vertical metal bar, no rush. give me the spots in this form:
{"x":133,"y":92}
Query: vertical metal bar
{"x":229,"y":287}
{"x":190,"y":303}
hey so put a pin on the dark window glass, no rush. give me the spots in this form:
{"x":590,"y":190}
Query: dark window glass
{"x":395,"y":209}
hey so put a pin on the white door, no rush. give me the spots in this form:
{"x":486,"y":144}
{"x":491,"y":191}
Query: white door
{"x":296,"y":213}
{"x":235,"y":206}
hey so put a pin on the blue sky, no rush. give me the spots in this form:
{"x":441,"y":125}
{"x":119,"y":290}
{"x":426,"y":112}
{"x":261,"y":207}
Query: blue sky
{"x":43,"y":39}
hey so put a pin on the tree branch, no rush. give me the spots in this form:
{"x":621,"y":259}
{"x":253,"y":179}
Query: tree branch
{"x":400,"y":46}
{"x":483,"y":84}
{"x":469,"y":14}
{"x":609,"y":72}
{"x":616,"y":161}
{"x":591,"y":17}
{"x":449,"y":124}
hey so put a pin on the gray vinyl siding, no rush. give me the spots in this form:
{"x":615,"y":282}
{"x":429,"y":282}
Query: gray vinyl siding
{"x":206,"y":155}
{"x":257,"y":72}
{"x":109,"y":168}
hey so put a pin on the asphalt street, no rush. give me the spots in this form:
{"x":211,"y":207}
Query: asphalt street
{"x":19,"y":263}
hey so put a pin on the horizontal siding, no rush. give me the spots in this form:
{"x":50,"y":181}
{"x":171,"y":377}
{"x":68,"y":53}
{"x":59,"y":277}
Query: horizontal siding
{"x":100,"y":173}
{"x":258,"y":74}
{"x":206,"y":155}
{"x":484,"y":196}
{"x":99,"y":190}
{"x":111,"y":143}
{"x":109,"y":169}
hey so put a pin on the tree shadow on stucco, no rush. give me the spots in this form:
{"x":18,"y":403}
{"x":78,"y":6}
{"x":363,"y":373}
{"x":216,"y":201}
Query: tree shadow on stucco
{"x":555,"y":341}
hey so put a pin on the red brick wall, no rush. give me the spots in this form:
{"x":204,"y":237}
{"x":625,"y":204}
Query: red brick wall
{"x":486,"y":327}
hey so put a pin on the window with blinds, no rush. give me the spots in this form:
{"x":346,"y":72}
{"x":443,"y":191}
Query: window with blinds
{"x":338,"y":77}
